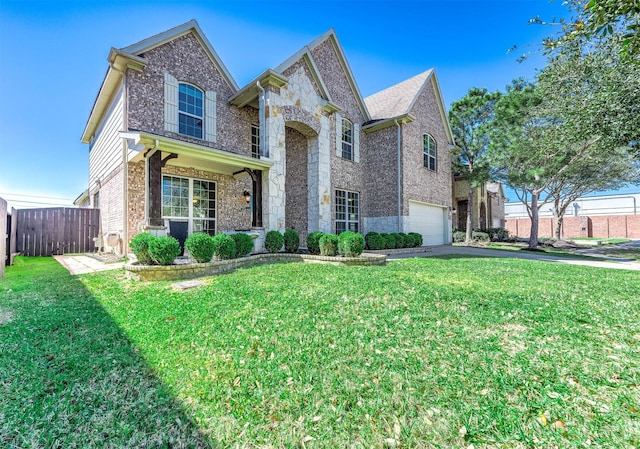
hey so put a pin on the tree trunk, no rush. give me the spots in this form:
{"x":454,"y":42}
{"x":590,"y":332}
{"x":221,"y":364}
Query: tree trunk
{"x":533,"y":237}
{"x":469,"y":236}
{"x":557,"y":229}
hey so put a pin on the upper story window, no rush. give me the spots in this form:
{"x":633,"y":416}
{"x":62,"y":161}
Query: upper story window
{"x":347,"y":139}
{"x":190,"y":110}
{"x":255,"y":141}
{"x":429,"y":149}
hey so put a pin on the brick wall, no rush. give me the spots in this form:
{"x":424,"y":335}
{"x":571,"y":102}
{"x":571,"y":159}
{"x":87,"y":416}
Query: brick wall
{"x":602,"y":226}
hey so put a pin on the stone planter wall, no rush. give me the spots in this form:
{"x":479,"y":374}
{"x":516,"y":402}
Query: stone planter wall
{"x":194,"y":270}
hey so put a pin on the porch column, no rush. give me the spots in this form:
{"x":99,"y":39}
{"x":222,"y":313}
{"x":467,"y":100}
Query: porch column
{"x":273,"y":184}
{"x":319,"y":179}
{"x":154,"y":176}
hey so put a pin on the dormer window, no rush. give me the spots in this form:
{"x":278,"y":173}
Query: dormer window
{"x":190,"y":110}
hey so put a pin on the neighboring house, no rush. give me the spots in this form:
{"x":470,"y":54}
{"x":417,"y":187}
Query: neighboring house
{"x":176,"y":145}
{"x":488,"y":205}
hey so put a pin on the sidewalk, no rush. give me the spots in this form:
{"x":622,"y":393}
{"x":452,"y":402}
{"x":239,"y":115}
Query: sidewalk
{"x":81,"y":264}
{"x":469,"y":251}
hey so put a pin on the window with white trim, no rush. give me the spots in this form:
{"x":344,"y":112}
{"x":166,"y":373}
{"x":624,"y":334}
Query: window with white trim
{"x":255,"y":141}
{"x":347,"y":211}
{"x":347,"y":139}
{"x":190,"y":110}
{"x":429,"y":150}
{"x":192,"y":200}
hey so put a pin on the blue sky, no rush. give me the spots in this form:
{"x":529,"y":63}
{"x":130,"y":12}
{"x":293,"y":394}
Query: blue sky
{"x":53,"y":59}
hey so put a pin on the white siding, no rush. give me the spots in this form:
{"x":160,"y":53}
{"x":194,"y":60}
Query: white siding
{"x":106,"y":148}
{"x":105,"y":164}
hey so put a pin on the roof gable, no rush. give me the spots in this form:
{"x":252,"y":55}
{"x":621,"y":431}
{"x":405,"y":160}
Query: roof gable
{"x":304,"y":55}
{"x":191,"y":26}
{"x":331,"y":37}
{"x":399,"y":99}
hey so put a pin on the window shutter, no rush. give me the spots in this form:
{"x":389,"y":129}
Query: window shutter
{"x":338,"y":135}
{"x":356,"y":142}
{"x":210,"y":116}
{"x":170,"y":103}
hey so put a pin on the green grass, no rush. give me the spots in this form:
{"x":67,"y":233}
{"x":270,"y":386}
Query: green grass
{"x":420,"y":353}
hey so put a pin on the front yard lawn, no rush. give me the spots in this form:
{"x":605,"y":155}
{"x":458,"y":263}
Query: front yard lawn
{"x":419,"y":353}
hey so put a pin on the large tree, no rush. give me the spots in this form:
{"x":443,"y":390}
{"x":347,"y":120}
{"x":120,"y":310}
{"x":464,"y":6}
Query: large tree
{"x":470,"y":118}
{"x":595,"y":97}
{"x":595,"y":19}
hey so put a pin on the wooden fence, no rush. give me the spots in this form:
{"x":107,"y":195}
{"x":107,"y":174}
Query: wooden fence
{"x":4,"y":235}
{"x":54,"y":231}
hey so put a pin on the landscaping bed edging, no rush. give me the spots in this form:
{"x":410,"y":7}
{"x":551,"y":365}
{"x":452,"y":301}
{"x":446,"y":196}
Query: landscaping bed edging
{"x":194,"y":270}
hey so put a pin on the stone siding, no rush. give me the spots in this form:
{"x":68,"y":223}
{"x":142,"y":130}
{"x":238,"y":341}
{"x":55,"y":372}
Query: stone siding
{"x":382,"y":170}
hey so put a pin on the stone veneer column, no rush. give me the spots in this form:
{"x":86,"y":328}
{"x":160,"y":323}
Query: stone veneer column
{"x":273,"y":184}
{"x":319,"y":179}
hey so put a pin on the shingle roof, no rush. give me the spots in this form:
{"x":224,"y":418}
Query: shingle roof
{"x":396,"y":100}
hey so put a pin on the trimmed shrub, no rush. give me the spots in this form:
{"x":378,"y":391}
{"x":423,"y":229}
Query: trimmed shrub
{"x":498,"y":234}
{"x":328,"y":245}
{"x":418,"y":237}
{"x":200,"y":247}
{"x":164,"y":250}
{"x":399,"y":239}
{"x":244,"y":244}
{"x":291,"y":241}
{"x":313,"y":242}
{"x":350,"y":244}
{"x":390,"y":241}
{"x":374,"y":241}
{"x":224,"y":247}
{"x":273,"y":241}
{"x":140,"y":247}
{"x":459,"y":236}
{"x":479,"y":236}
{"x":409,"y":241}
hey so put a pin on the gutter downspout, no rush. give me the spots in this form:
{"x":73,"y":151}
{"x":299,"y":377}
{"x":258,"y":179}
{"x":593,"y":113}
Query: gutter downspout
{"x":262,"y":117}
{"x":399,"y":166}
{"x":125,"y":169}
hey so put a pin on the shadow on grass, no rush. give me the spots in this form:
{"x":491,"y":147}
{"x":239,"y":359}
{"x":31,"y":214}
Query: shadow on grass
{"x":69,"y":377}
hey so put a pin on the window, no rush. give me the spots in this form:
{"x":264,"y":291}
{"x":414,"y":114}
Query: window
{"x":429,"y":149}
{"x":347,"y":211}
{"x":255,"y":141}
{"x":96,"y":200}
{"x":347,"y":139}
{"x":193,"y":200}
{"x":190,"y":110}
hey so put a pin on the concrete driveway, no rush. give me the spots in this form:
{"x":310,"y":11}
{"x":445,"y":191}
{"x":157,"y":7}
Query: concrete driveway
{"x":469,"y":251}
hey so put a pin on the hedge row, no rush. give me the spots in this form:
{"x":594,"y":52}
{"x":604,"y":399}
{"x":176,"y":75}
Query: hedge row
{"x":152,"y":250}
{"x":491,"y":234}
{"x":376,"y":241}
{"x":347,"y":244}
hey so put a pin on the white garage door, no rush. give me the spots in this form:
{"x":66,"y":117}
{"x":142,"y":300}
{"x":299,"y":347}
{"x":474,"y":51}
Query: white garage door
{"x":429,"y":221}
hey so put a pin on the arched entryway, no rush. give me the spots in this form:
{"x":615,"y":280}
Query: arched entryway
{"x":299,"y":139}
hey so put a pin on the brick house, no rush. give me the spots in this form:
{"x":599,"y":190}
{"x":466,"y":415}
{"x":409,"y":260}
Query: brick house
{"x":177,"y":146}
{"x":488,"y":204}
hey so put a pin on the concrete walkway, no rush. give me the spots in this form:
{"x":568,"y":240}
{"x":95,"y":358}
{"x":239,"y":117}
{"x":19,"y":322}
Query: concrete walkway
{"x":81,"y":264}
{"x":469,"y":251}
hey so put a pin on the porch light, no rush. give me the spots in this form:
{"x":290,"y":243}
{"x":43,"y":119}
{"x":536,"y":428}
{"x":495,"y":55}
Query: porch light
{"x":247,"y":196}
